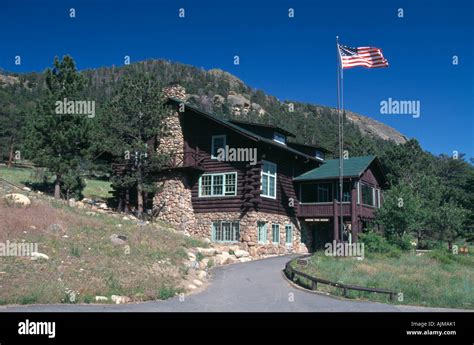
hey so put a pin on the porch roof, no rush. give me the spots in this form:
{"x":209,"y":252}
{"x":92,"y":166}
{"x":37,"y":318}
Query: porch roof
{"x":352,"y":167}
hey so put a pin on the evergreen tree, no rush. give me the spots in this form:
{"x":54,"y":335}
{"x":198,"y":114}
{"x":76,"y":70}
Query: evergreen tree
{"x":129,"y":130}
{"x":56,"y":140}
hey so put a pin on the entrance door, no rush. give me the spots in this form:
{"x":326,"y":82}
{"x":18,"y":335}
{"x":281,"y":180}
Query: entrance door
{"x":322,"y":233}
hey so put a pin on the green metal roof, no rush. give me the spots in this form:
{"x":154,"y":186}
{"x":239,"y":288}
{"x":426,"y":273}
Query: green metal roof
{"x":352,"y":167}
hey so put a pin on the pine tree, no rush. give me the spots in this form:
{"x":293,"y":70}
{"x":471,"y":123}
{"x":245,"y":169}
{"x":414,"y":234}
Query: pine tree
{"x":129,"y":130}
{"x":58,"y":141}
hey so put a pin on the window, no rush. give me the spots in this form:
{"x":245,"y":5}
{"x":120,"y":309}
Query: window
{"x":316,"y":192}
{"x":218,"y":142}
{"x":276,"y":233}
{"x":319,"y":154}
{"x":367,"y":195}
{"x":269,"y":179}
{"x":358,"y":193}
{"x":378,"y":198}
{"x":262,"y":232}
{"x":279,"y":138}
{"x":224,"y":184}
{"x":225,"y":231}
{"x":288,"y":234}
{"x":346,"y":191}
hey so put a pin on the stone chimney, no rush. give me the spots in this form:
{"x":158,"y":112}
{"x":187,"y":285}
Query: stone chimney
{"x":175,"y":91}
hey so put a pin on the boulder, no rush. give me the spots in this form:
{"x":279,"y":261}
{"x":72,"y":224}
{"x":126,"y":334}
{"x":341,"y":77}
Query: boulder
{"x":71,"y":202}
{"x":245,"y":259}
{"x":191,"y":257}
{"x":18,"y":199}
{"x":207,"y":251}
{"x":118,"y":239}
{"x":192,"y":287}
{"x":120,"y":299}
{"x":221,"y":259}
{"x":234,"y":248}
{"x":241,"y":253}
{"x":253,"y":251}
{"x":197,"y":282}
{"x":37,"y":255}
{"x":202,"y":274}
{"x":26,"y":189}
{"x":101,"y":299}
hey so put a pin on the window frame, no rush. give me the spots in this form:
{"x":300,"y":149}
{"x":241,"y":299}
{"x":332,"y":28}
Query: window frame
{"x":290,"y":227}
{"x":223,"y":185}
{"x":269,"y":176}
{"x":213,"y":146}
{"x":275,"y":226}
{"x":234,"y":226}
{"x":372,"y":192}
{"x":265,"y":229}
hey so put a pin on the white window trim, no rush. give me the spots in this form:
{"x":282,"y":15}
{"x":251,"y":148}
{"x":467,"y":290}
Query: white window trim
{"x":358,"y":193}
{"x":265,"y":241}
{"x":373,"y":196}
{"x":378,"y":198}
{"x":231,"y":222}
{"x":279,"y":237}
{"x":289,"y":243}
{"x":223,"y":185}
{"x":269,"y":175}
{"x":212,"y":143}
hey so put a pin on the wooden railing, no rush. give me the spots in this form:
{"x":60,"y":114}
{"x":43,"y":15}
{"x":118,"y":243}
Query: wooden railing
{"x":291,"y":273}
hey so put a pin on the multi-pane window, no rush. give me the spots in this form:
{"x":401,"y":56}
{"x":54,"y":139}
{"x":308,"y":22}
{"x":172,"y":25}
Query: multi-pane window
{"x":367,"y":195}
{"x":275,"y":233}
{"x":262,"y":232}
{"x":269,"y":179}
{"x":218,"y":142}
{"x":316,"y":192}
{"x":288,"y":234}
{"x":224,"y":184}
{"x":225,"y":231}
{"x":346,"y":192}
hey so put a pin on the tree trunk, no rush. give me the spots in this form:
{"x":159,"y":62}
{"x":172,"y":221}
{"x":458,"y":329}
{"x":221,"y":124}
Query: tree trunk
{"x":139,"y":200}
{"x":127,"y":201}
{"x":450,"y":246}
{"x":57,"y":187}
{"x":10,"y":157}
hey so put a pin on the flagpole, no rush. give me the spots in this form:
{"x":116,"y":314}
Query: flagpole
{"x":340,"y":94}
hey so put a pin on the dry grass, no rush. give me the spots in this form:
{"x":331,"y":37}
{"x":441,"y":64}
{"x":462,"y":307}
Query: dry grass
{"x":84,"y":260}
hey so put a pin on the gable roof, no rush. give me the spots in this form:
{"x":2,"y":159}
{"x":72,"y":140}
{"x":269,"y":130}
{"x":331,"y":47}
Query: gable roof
{"x":249,"y":126}
{"x":247,"y":133}
{"x":352,"y":167}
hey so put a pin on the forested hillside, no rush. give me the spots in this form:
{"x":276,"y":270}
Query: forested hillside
{"x":213,"y":90}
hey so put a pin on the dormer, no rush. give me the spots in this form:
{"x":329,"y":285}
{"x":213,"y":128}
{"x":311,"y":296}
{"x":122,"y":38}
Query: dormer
{"x":279,"y":138}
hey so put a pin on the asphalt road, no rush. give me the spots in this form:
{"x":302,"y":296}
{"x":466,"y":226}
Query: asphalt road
{"x":256,"y":286}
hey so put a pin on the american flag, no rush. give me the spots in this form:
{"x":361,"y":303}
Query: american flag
{"x":369,"y":57}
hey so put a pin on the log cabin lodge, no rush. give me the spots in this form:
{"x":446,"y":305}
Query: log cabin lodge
{"x":287,"y":202}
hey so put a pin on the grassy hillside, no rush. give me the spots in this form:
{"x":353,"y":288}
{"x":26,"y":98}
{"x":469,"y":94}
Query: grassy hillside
{"x":435,"y":279}
{"x":83,"y":261}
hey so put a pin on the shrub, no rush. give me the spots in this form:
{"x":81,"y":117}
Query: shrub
{"x":376,"y":243}
{"x":403,"y":242}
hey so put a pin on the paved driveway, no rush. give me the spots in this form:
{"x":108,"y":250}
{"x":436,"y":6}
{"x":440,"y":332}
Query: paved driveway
{"x":247,"y":287}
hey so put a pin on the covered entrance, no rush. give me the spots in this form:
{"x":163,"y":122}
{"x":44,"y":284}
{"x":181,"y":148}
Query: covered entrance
{"x":321,"y":232}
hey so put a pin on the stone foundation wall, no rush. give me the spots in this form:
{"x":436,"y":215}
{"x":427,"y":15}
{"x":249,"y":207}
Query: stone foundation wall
{"x":248,"y":231}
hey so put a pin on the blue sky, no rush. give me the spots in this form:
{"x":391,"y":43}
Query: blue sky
{"x":291,"y":58}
